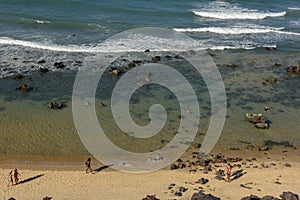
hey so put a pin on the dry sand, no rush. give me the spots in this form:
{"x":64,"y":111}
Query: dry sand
{"x":259,"y":176}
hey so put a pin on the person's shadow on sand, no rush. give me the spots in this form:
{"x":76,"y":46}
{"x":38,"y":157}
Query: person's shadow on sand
{"x":238,"y":174}
{"x":101,"y":168}
{"x":30,"y":179}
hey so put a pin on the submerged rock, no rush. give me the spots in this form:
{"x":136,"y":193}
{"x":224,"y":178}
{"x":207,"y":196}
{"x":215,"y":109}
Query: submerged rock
{"x":293,"y":69}
{"x":54,"y":105}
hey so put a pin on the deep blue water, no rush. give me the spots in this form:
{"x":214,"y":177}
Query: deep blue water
{"x":78,"y":25}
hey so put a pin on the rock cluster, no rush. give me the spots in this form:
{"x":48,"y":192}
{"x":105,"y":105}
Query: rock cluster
{"x":293,"y":69}
{"x":259,"y":120}
{"x":283,"y":196}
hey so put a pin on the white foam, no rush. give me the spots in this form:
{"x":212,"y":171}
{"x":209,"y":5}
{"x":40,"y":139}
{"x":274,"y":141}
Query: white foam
{"x":239,"y":15}
{"x":293,"y":8}
{"x":224,"y":10}
{"x":42,"y":22}
{"x":231,"y":30}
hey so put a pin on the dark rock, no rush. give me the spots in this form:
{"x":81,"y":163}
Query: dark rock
{"x":11,"y":198}
{"x":43,"y":70}
{"x":150,"y":197}
{"x":17,"y":77}
{"x":220,"y":172}
{"x":269,"y":198}
{"x":78,"y":61}
{"x":277,"y":65}
{"x":245,"y":186}
{"x":54,"y":105}
{"x":47,"y":198}
{"x":182,"y":189}
{"x":203,"y":162}
{"x":271,"y":79}
{"x":173,"y":166}
{"x":289,"y":196}
{"x":251,"y":197}
{"x":287,"y":165}
{"x":219,"y":178}
{"x":59,"y":65}
{"x":270,"y":48}
{"x":201,"y":196}
{"x":24,"y":88}
{"x":41,"y":61}
{"x":202,"y":181}
{"x":131,"y":65}
{"x":178,"y":194}
{"x":156,"y":59}
{"x":147,"y":50}
{"x":236,"y":159}
{"x":293,"y":69}
{"x":171,"y":186}
{"x":168,"y":57}
{"x":277,"y":182}
{"x":15,"y":58}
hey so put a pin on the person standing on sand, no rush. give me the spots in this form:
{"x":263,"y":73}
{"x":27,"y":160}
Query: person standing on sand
{"x":228,"y":172}
{"x":10,"y":178}
{"x":16,"y":176}
{"x":88,"y":166}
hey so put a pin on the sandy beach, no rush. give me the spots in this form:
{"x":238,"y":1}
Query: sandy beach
{"x":265,"y":174}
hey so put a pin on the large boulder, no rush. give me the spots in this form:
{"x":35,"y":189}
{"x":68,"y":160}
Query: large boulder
{"x":289,"y":196}
{"x":201,"y":196}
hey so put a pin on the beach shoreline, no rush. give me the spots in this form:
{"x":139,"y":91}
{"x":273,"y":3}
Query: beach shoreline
{"x":262,"y":173}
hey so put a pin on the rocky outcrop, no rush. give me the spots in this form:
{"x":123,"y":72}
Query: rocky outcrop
{"x":201,"y":196}
{"x":150,"y":197}
{"x":59,"y":65}
{"x":258,"y":119}
{"x":293,"y":69}
{"x":24,"y":88}
{"x":55,"y":105}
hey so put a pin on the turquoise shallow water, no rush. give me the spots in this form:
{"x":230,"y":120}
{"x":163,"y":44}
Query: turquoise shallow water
{"x":29,"y":127}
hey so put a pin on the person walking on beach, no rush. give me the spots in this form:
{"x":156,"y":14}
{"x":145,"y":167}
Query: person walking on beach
{"x":16,"y":176}
{"x":10,"y":178}
{"x":88,"y":166}
{"x":228,"y":172}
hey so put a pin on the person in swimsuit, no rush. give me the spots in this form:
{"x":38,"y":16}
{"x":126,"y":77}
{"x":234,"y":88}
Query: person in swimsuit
{"x":88,"y":166}
{"x":16,"y":176}
{"x":228,"y":172}
{"x":10,"y":178}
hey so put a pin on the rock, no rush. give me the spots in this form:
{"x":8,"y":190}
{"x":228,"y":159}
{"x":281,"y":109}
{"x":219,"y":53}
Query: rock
{"x":201,"y":196}
{"x":182,"y":189}
{"x":131,"y":65}
{"x":251,"y":197}
{"x":203,"y":162}
{"x":147,"y":50}
{"x":236,"y":159}
{"x":15,"y":58}
{"x":116,"y":72}
{"x":156,"y":59}
{"x":59,"y":65}
{"x":150,"y":197}
{"x":293,"y":69}
{"x":219,"y":178}
{"x":173,"y":166}
{"x":289,"y":196}
{"x":256,"y":118}
{"x":24,"y":88}
{"x":171,"y":186}
{"x":220,"y":172}
{"x":178,"y":194}
{"x":202,"y":181}
{"x":262,"y":125}
{"x":231,"y":65}
{"x":287,"y":165}
{"x":269,"y":198}
{"x":277,"y":65}
{"x":41,"y":61}
{"x":271,"y":79}
{"x":17,"y":77}
{"x":270,"y":48}
{"x":54,"y":105}
{"x":78,"y":61}
{"x":43,"y":70}
{"x":11,"y":198}
{"x":47,"y":198}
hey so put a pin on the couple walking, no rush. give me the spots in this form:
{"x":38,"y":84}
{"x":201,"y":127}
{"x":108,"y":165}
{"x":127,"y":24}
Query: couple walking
{"x":13,"y":177}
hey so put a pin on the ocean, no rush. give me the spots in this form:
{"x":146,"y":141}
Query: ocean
{"x":35,"y":34}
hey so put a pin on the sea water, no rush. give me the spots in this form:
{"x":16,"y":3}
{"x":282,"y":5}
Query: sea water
{"x":69,"y":31}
